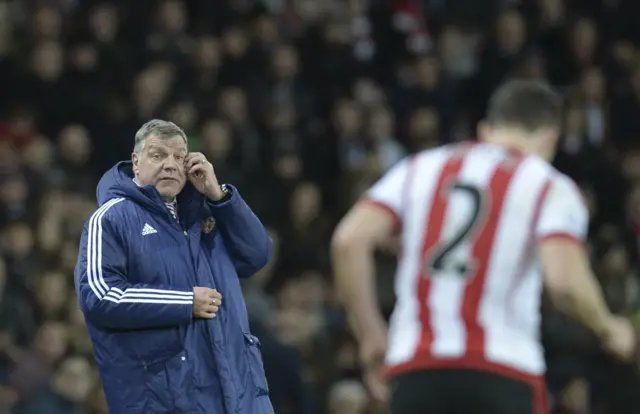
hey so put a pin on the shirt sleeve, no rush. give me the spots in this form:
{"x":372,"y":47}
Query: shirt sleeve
{"x":388,"y":192}
{"x":564,"y":213}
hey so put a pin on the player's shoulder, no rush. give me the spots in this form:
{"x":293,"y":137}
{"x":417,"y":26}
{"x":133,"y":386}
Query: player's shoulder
{"x":564,"y":184}
{"x":565,"y":190}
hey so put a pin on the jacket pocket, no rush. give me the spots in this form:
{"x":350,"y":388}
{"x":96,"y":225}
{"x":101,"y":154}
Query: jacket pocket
{"x":151,"y":346}
{"x":161,"y":388}
{"x":255,"y":364}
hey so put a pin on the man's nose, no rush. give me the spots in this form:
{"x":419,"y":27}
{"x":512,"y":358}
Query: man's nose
{"x":171,"y":164}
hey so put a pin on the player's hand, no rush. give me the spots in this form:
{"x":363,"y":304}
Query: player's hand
{"x":373,"y":347}
{"x":621,"y":341}
{"x":206,"y":302}
{"x":201,"y":175}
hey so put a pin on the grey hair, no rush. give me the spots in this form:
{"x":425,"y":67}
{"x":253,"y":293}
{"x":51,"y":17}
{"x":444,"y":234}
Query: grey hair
{"x":157,"y":128}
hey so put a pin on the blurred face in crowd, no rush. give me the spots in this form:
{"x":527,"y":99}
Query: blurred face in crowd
{"x":51,"y":340}
{"x":306,"y":203}
{"x":584,"y":39}
{"x":285,"y":62}
{"x":347,"y":118}
{"x":75,"y":145}
{"x":552,"y":10}
{"x":287,"y":167}
{"x":511,"y":31}
{"x":161,"y":164}
{"x":216,"y":139}
{"x":300,"y":317}
{"x":266,"y":29}
{"x":46,"y":23}
{"x":74,"y":379}
{"x":208,"y":53}
{"x":52,"y":292}
{"x":184,"y":113}
{"x":38,"y":155}
{"x":103,"y":22}
{"x":46,"y":61}
{"x":235,"y":42}
{"x":14,"y":190}
{"x":367,"y":92}
{"x":616,"y":262}
{"x":424,"y":126}
{"x":172,"y":16}
{"x":427,"y":72}
{"x":19,"y":239}
{"x":84,"y":57}
{"x":450,"y":44}
{"x":151,"y":87}
{"x":282,"y":118}
{"x":233,"y":104}
{"x":381,"y":123}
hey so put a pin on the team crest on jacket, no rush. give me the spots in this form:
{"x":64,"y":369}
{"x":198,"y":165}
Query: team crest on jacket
{"x":208,"y":224}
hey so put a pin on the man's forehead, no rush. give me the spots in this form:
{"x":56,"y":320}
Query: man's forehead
{"x":175,"y":143}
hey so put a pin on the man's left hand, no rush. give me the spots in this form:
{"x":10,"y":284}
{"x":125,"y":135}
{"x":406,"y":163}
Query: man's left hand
{"x":201,"y":175}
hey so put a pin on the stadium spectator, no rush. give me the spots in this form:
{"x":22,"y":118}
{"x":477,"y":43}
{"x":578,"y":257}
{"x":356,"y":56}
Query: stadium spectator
{"x":352,"y":58}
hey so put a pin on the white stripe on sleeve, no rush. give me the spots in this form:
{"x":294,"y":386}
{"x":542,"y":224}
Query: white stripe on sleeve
{"x":96,"y":279}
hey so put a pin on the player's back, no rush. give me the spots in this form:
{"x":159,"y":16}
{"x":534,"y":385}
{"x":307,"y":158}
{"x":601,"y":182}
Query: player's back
{"x":468,"y":284}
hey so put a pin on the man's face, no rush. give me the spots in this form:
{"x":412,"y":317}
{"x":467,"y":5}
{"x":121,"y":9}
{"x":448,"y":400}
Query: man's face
{"x":161,"y":164}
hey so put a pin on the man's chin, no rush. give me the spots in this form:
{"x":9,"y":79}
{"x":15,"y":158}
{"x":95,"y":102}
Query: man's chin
{"x":168,"y":189}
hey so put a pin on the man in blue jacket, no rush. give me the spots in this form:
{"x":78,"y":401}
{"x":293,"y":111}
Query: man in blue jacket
{"x":158,"y":279}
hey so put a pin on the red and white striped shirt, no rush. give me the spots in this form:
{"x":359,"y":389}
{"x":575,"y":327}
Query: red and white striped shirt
{"x":469,"y":281}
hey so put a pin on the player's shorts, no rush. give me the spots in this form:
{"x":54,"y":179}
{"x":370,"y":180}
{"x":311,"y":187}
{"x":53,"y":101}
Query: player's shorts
{"x":453,"y":391}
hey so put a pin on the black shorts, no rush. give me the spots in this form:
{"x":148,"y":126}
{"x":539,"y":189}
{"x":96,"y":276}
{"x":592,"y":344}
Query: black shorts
{"x":458,"y":391}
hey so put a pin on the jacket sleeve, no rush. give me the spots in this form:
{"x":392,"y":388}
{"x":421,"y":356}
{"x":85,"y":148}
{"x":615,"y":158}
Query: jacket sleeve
{"x":246,"y":239}
{"x":107,"y":298}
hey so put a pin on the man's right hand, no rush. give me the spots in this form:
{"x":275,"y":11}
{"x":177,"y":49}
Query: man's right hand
{"x":373,"y":347}
{"x":620,"y":340}
{"x":206,"y":302}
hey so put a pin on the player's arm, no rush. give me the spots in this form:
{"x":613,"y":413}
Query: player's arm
{"x":371,"y":222}
{"x":352,"y":251}
{"x":561,"y":231}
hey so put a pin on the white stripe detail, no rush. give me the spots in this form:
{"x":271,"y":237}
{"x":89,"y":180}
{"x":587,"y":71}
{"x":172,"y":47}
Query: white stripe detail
{"x":147,"y":295}
{"x":91,"y":242}
{"x":96,"y":280}
{"x":159,"y":301}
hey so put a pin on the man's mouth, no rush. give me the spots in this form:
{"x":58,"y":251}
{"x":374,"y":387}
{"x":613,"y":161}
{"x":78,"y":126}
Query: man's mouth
{"x":168,"y":179}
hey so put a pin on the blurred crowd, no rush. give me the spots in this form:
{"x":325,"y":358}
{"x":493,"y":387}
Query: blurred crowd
{"x":301,"y":104}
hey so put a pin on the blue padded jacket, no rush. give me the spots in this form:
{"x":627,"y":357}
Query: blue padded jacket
{"x":134,"y":279}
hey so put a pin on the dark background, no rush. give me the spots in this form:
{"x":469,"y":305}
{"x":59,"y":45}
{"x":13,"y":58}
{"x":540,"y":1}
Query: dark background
{"x":301,"y":104}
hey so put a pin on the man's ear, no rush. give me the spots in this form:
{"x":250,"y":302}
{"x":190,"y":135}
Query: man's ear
{"x":135,"y":159}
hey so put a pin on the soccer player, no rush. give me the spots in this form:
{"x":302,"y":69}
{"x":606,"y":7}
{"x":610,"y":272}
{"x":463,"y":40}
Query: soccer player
{"x":483,"y":226}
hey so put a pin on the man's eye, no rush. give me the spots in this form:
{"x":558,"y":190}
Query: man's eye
{"x":180,"y":158}
{"x":155,"y":156}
